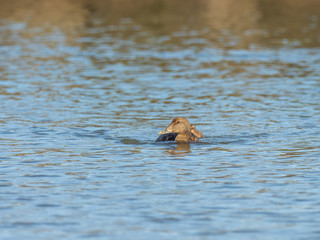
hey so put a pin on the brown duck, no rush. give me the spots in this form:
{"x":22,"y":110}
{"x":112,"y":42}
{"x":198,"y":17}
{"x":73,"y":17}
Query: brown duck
{"x":180,"y":130}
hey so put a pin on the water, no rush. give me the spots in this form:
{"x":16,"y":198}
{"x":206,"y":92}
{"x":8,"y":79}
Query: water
{"x":86,"y":86}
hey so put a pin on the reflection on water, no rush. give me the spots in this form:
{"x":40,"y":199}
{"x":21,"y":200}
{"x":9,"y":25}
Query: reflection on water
{"x":180,"y":149}
{"x":224,"y":24}
{"x":86,"y":86}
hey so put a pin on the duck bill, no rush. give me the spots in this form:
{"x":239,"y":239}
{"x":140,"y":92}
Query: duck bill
{"x":166,"y":130}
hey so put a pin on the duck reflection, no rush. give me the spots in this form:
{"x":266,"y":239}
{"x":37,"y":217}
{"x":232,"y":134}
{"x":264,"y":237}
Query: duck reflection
{"x":180,"y":148}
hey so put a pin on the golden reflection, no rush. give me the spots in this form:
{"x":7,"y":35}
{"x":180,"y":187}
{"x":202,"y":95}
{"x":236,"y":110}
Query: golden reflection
{"x":233,"y":14}
{"x":295,"y":152}
{"x":249,"y":21}
{"x":63,"y":14}
{"x":181,"y":148}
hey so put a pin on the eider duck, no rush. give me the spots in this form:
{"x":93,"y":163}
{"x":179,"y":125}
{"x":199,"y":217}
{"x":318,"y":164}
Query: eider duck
{"x":180,"y":130}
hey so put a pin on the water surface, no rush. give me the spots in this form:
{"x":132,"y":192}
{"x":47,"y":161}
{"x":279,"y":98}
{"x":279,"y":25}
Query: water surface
{"x":86,"y":86}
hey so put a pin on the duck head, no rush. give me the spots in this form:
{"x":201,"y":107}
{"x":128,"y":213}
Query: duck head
{"x":178,"y":125}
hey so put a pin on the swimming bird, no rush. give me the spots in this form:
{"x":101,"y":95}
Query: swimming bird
{"x":179,"y":130}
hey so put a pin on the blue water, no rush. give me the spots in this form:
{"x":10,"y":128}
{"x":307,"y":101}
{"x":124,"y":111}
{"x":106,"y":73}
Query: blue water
{"x":81,"y":110}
